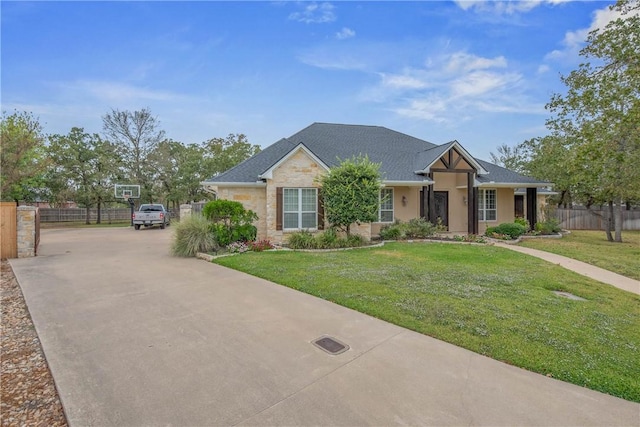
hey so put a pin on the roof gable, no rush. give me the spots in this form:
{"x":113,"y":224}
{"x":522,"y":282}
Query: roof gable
{"x":446,"y":156}
{"x":268,"y":174}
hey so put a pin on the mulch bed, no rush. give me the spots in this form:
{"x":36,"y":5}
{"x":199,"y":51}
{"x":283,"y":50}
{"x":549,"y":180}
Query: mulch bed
{"x":27,"y":393}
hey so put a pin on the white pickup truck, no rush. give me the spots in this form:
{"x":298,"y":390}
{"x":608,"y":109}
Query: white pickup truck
{"x":150,"y":215}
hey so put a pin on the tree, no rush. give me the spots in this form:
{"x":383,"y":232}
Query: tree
{"x":85,"y":163}
{"x":223,"y":154}
{"x":351,"y":193}
{"x":513,"y":158}
{"x":22,"y":161}
{"x":548,"y":159}
{"x":136,"y":135}
{"x":600,"y":114}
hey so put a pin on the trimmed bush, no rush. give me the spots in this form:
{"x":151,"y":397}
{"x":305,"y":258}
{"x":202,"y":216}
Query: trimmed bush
{"x":192,"y":235}
{"x":510,"y":229}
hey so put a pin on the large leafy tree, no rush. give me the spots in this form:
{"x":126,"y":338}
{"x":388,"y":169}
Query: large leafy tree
{"x":224,"y":153}
{"x":599,"y":116}
{"x":22,"y":163}
{"x":86,"y":164}
{"x":351,"y":193}
{"x":136,"y":134}
{"x":513,"y":158}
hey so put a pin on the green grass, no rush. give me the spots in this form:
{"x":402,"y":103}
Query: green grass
{"x":592,"y":247}
{"x":490,"y":300}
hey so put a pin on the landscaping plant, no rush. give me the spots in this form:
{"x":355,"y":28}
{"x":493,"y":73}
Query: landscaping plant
{"x":231,"y":222}
{"x":193,"y":235}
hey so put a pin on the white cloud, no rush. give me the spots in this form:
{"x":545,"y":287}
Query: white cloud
{"x":462,"y":61}
{"x":508,"y":7}
{"x":543,"y":69}
{"x":574,"y":40}
{"x":345,"y":33}
{"x":315,"y":13}
{"x":454,"y":87}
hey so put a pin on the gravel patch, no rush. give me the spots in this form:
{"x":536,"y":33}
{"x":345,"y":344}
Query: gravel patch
{"x":28,"y":396}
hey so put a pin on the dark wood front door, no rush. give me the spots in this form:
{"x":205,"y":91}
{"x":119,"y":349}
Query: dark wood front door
{"x":518,"y":206}
{"x":441,"y":204}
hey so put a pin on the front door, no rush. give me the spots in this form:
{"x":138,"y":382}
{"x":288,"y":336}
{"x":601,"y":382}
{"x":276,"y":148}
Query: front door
{"x":441,"y":205}
{"x":518,"y":208}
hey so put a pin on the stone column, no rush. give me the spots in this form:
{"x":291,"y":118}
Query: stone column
{"x":185,"y":211}
{"x":26,"y":231}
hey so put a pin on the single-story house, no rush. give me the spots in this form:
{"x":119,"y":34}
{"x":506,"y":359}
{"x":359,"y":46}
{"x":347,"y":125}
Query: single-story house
{"x":420,"y":179}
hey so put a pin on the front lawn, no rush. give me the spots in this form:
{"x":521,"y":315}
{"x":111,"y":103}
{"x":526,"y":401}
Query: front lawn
{"x":490,"y":300}
{"x":592,"y":247}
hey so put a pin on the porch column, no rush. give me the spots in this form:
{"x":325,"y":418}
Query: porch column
{"x":431,"y":202}
{"x":472,"y":205}
{"x":532,"y":206}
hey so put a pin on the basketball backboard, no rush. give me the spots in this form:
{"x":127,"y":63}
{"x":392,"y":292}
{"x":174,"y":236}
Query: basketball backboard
{"x":126,"y":191}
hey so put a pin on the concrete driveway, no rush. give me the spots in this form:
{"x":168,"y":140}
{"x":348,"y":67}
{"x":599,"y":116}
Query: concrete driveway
{"x":135,"y":337}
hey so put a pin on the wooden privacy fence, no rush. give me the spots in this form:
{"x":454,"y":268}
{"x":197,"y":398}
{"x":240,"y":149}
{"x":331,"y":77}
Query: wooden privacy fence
{"x":579,"y":218}
{"x":107,"y":215}
{"x":8,"y":230}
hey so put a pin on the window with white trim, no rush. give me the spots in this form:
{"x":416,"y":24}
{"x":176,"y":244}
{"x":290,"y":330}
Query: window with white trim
{"x":300,"y":208}
{"x":385,"y":211}
{"x":487,"y":205}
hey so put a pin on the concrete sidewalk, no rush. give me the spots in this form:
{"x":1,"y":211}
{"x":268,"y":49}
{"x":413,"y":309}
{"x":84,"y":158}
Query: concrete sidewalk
{"x":588,"y":270}
{"x":136,"y":337}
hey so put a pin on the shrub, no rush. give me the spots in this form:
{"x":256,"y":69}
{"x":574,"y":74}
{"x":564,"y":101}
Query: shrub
{"x":524,"y":222}
{"x":260,"y":245}
{"x":301,"y":240}
{"x":354,"y":240}
{"x":329,"y":239}
{"x":391,"y":231}
{"x":244,"y":233}
{"x":231,"y":221}
{"x":550,"y":226}
{"x":192,"y":235}
{"x":510,"y":229}
{"x":419,"y":228}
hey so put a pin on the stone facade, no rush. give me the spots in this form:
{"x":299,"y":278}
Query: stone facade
{"x":26,"y":231}
{"x":185,"y":211}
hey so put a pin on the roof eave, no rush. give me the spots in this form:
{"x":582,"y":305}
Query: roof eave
{"x":233,"y":184}
{"x":492,"y":184}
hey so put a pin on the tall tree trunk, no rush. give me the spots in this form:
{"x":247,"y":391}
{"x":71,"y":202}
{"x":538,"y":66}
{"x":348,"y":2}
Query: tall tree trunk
{"x":609,"y":223}
{"x":99,"y":218}
{"x":88,"y":215}
{"x":619,"y":222}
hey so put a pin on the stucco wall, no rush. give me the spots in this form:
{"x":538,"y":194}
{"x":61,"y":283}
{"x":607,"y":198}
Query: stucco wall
{"x":458,"y":215}
{"x":505,"y":202}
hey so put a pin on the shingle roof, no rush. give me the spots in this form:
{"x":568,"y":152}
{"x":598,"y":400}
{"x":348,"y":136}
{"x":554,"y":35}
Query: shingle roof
{"x":396,"y":152}
{"x":499,"y":175}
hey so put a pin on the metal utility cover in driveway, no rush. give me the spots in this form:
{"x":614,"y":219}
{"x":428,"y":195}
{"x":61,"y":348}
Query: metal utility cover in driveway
{"x":330,"y":345}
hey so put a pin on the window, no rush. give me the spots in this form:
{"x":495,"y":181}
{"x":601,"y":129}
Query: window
{"x":385,"y":213}
{"x":487,"y":206}
{"x":300,"y":208}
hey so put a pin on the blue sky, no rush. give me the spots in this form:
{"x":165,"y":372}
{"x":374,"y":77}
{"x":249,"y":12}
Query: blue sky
{"x":475,"y":71}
